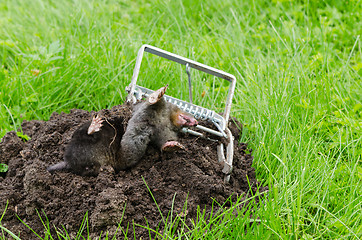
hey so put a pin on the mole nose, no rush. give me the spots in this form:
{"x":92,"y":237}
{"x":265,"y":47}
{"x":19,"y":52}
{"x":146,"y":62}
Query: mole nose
{"x":194,"y":122}
{"x":187,"y":120}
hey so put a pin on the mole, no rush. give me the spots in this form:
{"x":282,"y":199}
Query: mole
{"x":154,"y":121}
{"x":93,"y":144}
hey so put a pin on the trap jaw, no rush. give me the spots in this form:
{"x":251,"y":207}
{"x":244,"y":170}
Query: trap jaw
{"x":136,"y":92}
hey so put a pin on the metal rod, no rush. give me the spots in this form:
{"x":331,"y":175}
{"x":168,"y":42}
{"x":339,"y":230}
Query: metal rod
{"x":132,"y":85}
{"x":193,"y":64}
{"x":190,"y":87}
{"x":186,"y":130}
{"x":209,"y":130}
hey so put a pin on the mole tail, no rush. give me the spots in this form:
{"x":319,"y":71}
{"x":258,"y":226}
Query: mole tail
{"x":57,"y":167}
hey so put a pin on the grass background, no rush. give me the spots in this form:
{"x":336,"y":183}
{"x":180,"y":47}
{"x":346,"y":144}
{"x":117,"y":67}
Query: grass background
{"x":299,"y":90}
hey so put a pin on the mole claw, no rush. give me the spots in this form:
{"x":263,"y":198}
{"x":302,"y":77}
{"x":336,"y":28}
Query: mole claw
{"x":95,"y":125}
{"x":171,"y":146}
{"x":157,"y":95}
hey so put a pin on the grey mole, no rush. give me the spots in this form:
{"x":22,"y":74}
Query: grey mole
{"x":155,"y":122}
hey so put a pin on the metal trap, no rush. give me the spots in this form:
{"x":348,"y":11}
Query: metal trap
{"x":136,"y":92}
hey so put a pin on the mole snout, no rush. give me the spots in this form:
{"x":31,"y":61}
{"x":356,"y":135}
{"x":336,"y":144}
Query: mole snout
{"x":184,"y":119}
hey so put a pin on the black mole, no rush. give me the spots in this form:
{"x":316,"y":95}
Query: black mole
{"x":93,"y":144}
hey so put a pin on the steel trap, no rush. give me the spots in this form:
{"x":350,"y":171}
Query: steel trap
{"x":136,"y":92}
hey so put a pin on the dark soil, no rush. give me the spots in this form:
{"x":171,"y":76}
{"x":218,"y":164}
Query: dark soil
{"x":192,"y":174}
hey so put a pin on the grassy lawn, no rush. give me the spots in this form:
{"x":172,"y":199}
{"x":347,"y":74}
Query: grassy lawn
{"x":299,"y":92}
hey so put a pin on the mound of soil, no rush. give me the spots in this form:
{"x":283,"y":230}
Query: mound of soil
{"x":193,"y":175}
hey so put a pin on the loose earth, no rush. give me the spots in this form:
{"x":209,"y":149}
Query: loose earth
{"x":168,"y":179}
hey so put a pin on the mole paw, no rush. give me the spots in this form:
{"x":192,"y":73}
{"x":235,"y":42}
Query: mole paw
{"x":171,"y":146}
{"x":95,"y":125}
{"x":157,"y":95}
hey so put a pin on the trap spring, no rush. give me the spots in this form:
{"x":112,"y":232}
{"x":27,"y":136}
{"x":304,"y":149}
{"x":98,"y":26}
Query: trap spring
{"x":137,"y":92}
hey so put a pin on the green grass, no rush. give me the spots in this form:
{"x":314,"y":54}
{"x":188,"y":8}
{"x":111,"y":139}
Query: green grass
{"x":299,"y":91}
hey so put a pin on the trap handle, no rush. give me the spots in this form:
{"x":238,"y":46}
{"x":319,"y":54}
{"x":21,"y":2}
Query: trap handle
{"x":182,"y":60}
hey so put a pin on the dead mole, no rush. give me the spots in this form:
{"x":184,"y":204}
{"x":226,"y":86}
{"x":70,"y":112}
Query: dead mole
{"x":154,"y":121}
{"x":100,"y":142}
{"x":93,"y":144}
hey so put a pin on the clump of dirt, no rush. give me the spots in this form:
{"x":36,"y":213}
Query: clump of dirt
{"x":191,"y":175}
